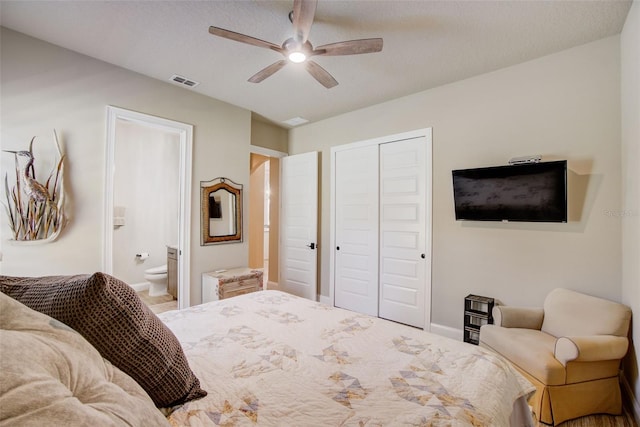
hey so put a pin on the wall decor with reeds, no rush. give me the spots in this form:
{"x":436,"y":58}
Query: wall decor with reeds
{"x":35,"y":209}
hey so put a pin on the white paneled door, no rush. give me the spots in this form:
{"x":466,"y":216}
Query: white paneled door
{"x":356,"y":219}
{"x":299,"y":225}
{"x":381,"y":224}
{"x":403,"y":251}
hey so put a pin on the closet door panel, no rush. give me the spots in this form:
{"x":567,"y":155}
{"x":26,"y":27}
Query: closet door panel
{"x":403,"y":231}
{"x":356,"y":232}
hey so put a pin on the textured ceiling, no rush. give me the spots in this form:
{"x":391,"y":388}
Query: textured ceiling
{"x":426,"y":43}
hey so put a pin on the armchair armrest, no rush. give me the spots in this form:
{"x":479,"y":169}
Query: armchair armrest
{"x":518,"y":317}
{"x":590,"y":348}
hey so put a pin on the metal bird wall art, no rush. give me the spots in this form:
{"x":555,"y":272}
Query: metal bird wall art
{"x":32,"y":188}
{"x":35,"y":210}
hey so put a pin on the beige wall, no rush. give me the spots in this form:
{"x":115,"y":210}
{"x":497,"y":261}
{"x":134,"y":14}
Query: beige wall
{"x":46,"y":87}
{"x":268,"y":135}
{"x":630,"y":208}
{"x":563,"y":106}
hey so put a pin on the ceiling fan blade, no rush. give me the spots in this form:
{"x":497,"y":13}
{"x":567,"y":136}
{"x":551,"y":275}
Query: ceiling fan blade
{"x":321,"y":75}
{"x":243,"y":38}
{"x":349,"y":47}
{"x":267,"y":72}
{"x":303,"y":14}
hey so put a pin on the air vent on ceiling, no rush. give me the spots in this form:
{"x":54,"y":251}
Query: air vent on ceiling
{"x":295,"y":121}
{"x":184,"y":81}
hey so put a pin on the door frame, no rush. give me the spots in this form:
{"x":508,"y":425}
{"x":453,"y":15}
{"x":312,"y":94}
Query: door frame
{"x":185,"y":133}
{"x":419,"y":133}
{"x":268,"y":152}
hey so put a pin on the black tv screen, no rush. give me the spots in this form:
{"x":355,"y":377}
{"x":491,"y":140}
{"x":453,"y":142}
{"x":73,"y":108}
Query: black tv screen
{"x":532,"y":192}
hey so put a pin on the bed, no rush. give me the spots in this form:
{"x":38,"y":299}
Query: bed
{"x":99,"y":356}
{"x":271,"y":358}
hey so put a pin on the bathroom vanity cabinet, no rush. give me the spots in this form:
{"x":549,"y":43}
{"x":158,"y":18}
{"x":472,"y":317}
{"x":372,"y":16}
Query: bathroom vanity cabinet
{"x":172,"y":271}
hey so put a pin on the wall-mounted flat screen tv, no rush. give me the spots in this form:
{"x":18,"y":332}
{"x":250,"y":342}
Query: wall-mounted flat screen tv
{"x":531,"y":192}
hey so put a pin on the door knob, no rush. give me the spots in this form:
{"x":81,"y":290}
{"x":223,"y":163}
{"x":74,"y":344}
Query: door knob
{"x":311,"y":245}
{"x":423,"y":256}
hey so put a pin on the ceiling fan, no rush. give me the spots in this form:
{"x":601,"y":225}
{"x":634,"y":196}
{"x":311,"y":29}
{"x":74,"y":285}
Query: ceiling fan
{"x":298,"y":49}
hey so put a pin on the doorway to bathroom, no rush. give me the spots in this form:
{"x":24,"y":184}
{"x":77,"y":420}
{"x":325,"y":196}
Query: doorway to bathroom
{"x":264,"y":199}
{"x":148,"y":189}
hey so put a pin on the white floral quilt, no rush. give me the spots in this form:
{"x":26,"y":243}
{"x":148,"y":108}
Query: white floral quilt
{"x":272,"y":359}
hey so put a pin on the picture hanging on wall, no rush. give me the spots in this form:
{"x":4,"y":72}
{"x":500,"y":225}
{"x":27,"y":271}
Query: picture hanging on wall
{"x":35,"y":208}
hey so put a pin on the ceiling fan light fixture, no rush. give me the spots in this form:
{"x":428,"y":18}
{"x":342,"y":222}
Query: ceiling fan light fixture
{"x":297,"y":57}
{"x":298,"y":49}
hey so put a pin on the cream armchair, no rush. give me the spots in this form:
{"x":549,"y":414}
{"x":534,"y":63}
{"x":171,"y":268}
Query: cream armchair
{"x":570,"y":350}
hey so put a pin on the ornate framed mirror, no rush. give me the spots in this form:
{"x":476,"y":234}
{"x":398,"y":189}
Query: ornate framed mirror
{"x":221,"y":211}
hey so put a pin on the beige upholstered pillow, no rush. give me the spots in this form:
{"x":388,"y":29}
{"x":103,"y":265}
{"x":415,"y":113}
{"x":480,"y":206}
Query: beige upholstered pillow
{"x":111,"y":316}
{"x":51,"y":376}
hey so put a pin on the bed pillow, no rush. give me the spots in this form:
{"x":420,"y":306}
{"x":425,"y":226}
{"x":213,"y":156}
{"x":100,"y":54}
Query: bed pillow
{"x":51,"y":375}
{"x":111,"y":316}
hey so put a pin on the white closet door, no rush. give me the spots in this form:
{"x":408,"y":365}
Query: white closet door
{"x":403,"y":257}
{"x":299,"y":225}
{"x":356,"y":230}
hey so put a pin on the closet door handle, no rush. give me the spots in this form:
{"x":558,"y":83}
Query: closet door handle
{"x":423,"y":256}
{"x":337,"y":248}
{"x":311,"y":245}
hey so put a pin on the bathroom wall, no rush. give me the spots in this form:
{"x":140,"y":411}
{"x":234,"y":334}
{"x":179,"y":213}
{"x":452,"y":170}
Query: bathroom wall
{"x":146,"y":185}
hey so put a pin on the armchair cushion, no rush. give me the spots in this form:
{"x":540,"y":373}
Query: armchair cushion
{"x":590,"y":349}
{"x":528,"y":349}
{"x":518,"y":317}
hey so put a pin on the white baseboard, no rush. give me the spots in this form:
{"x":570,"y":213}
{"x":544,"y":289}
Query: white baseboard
{"x":627,"y":393}
{"x":142,"y":286}
{"x":323,"y":299}
{"x":447,"y":331}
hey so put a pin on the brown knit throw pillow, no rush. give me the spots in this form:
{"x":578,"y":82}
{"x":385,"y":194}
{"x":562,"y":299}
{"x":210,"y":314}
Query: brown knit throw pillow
{"x":111,"y":316}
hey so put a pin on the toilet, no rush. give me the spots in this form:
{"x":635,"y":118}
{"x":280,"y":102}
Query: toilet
{"x":157,"y":278}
